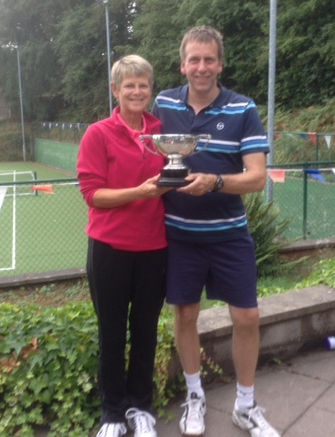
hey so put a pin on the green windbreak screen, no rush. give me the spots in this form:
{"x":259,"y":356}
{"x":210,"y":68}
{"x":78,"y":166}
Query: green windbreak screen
{"x":56,"y":154}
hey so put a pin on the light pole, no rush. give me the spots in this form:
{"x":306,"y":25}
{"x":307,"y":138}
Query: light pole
{"x":105,"y":2}
{"x":271,"y":90}
{"x":13,"y":46}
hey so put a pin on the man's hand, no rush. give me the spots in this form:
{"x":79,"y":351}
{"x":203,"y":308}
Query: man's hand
{"x":200,"y":184}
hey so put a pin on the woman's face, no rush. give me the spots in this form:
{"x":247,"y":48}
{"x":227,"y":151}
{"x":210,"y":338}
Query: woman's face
{"x":133,"y":94}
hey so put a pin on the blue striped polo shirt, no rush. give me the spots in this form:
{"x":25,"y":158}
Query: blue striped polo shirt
{"x":236,"y":130}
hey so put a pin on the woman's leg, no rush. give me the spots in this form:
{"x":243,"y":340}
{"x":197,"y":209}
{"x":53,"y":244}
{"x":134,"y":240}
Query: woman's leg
{"x":147,"y":300}
{"x":109,"y":274}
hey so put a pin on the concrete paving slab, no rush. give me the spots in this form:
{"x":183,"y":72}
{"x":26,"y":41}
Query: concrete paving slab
{"x":299,"y":397}
{"x":319,"y":365}
{"x":313,"y":423}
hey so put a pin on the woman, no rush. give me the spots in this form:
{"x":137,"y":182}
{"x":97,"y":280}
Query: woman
{"x":127,"y":247}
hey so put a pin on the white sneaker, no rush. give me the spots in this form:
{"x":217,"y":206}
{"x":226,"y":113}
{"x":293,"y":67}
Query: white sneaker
{"x":252,"y":420}
{"x":192,"y":421}
{"x":141,"y":422}
{"x":112,"y":430}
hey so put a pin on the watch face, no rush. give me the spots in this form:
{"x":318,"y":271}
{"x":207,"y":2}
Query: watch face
{"x":218,"y":184}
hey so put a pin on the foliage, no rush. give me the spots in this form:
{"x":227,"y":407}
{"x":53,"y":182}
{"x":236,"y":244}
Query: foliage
{"x":48,"y":359}
{"x":156,"y":39}
{"x":305,"y":52}
{"x":305,"y":60}
{"x":266,"y":230}
{"x":83,"y":60}
{"x":63,"y":55}
{"x":48,"y":365}
{"x":63,"y":49}
{"x":320,"y":118}
{"x":323,"y":273}
{"x":31,"y":25}
{"x":10,"y":142}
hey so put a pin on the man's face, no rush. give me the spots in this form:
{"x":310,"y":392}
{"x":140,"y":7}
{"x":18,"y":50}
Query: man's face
{"x":201,"y":66}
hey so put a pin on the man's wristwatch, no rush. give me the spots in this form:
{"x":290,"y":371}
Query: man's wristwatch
{"x":218,"y":184}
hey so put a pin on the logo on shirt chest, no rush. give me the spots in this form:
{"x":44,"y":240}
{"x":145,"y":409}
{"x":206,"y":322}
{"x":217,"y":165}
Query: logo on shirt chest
{"x":220,"y":125}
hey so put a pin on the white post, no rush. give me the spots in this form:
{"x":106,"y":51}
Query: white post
{"x":108,"y":57}
{"x":271,"y":90}
{"x":11,"y":46}
{"x":21,"y":104}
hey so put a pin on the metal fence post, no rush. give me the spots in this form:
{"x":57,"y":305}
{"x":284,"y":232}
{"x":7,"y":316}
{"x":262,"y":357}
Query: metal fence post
{"x":304,"y":205}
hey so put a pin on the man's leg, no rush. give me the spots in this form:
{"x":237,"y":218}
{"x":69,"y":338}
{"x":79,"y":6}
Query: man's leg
{"x":247,"y":414}
{"x":187,"y":338}
{"x":245,"y":343}
{"x":188,"y":347}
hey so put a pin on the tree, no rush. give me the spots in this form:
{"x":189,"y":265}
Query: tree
{"x":63,"y":49}
{"x":81,"y":48}
{"x":31,"y":24}
{"x":156,"y":38}
{"x":306,"y":52}
{"x":305,"y":48}
{"x":240,"y":22}
{"x":63,"y":55}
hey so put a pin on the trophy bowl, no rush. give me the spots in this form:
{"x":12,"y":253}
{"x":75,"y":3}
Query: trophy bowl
{"x":174,"y":147}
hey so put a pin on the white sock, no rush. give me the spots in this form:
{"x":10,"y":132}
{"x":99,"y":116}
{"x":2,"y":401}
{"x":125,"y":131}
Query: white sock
{"x":193,"y":384}
{"x":244,"y":397}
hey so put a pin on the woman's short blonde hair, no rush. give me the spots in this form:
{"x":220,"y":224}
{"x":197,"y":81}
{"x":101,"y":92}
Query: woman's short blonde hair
{"x":131,"y":65}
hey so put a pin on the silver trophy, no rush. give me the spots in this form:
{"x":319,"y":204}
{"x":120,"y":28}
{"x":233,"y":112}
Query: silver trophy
{"x":174,"y":147}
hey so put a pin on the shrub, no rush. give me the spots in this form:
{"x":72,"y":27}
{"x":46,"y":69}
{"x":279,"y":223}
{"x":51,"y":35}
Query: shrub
{"x":323,"y":273}
{"x":10,"y":142}
{"x":48,"y":366}
{"x":266,"y":230}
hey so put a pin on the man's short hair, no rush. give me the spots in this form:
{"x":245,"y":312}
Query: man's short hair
{"x":131,"y":65}
{"x":202,"y":34}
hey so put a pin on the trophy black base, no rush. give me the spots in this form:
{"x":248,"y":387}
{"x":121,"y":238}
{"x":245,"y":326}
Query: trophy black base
{"x":173,"y":178}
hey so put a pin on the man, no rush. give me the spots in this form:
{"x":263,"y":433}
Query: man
{"x":209,"y":242}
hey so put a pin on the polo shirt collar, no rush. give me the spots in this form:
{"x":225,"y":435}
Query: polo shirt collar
{"x":220,"y":100}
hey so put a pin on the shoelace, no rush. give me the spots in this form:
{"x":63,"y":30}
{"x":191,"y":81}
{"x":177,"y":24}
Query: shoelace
{"x":256,"y":414}
{"x":117,"y":428}
{"x":143,"y":421}
{"x":194,"y":408}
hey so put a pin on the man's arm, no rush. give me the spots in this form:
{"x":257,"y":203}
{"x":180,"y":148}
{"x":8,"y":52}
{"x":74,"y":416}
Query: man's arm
{"x":251,"y":180}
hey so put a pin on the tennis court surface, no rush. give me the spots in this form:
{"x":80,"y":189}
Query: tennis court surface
{"x":42,"y":221}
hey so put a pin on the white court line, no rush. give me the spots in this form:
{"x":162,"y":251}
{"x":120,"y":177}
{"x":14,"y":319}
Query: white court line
{"x":13,"y":266}
{"x":3,"y":191}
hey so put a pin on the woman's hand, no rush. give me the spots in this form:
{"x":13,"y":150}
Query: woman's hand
{"x":149,"y":188}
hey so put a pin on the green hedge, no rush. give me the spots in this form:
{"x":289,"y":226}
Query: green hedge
{"x":48,"y":366}
{"x":10,"y":142}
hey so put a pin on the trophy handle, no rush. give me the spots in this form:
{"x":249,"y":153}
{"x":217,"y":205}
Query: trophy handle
{"x":153,"y":149}
{"x":205,"y":138}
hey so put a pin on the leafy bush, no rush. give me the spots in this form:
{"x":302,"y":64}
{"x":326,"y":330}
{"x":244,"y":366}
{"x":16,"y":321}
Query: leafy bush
{"x":266,"y":230}
{"x":323,"y":273}
{"x":48,"y":363}
{"x":48,"y":366}
{"x":10,"y":142}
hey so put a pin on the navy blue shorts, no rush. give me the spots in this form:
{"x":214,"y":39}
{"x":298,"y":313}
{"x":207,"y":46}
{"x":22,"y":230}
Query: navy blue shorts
{"x":227,"y":270}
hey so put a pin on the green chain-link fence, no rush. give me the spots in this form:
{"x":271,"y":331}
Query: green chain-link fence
{"x":42,"y":222}
{"x":43,"y":215}
{"x":305,"y":193}
{"x":42,"y":227}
